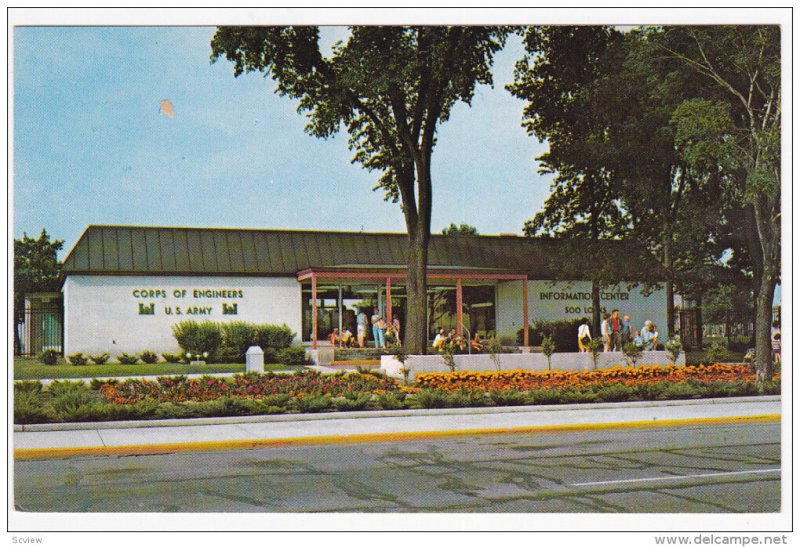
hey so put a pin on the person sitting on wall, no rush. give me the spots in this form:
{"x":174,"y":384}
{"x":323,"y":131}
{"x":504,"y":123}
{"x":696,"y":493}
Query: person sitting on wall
{"x":440,"y":340}
{"x":584,"y":336}
{"x":347,"y":340}
{"x":455,"y":340}
{"x":476,"y":343}
{"x":654,"y":339}
{"x":334,"y":338}
{"x":648,"y":334}
{"x":637,"y":340}
{"x":390,"y":337}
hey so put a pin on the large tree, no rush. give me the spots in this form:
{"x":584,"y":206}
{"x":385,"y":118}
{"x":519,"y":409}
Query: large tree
{"x":562,"y":77}
{"x":734,"y":124}
{"x":36,"y":269}
{"x":390,"y":87}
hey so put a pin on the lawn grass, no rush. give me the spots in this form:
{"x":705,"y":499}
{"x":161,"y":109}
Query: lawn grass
{"x":27,"y":368}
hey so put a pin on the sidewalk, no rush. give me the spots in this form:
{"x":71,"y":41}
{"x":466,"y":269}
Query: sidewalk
{"x":148,"y":437}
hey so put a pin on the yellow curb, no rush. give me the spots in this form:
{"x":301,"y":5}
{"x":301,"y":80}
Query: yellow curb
{"x":46,"y":453}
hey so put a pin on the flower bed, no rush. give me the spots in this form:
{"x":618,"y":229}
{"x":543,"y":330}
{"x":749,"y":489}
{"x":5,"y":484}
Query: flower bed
{"x":526,"y":380}
{"x":250,"y":386}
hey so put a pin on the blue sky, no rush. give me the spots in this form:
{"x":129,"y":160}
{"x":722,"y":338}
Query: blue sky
{"x":91,"y":147}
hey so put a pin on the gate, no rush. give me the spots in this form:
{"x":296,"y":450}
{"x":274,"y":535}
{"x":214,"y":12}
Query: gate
{"x":689,"y":327}
{"x":42,"y":328}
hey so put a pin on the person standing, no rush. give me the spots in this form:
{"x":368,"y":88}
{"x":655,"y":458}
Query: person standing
{"x":361,"y":328}
{"x":604,"y":332}
{"x":615,"y":331}
{"x":584,"y":336}
{"x":377,"y":331}
{"x":627,"y":330}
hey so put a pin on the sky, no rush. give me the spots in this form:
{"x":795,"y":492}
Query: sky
{"x":92,"y":147}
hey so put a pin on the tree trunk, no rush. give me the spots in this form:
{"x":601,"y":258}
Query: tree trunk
{"x":416,"y":335}
{"x":595,"y":308}
{"x":763,"y":330}
{"x":670,"y":288}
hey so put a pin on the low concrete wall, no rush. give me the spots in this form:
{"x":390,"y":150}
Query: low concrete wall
{"x":512,"y":361}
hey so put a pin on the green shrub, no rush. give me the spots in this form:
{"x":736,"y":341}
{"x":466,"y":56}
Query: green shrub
{"x":348,"y":403}
{"x":391,"y":401}
{"x":149,"y":357}
{"x":681,"y":390}
{"x":77,"y":359}
{"x":68,"y":405}
{"x":563,"y":332}
{"x":237,"y":336}
{"x":49,"y":356}
{"x":29,"y":409}
{"x":95,"y":383}
{"x":432,"y":398}
{"x":57,"y":388}
{"x":574,"y":396}
{"x":172,"y":357}
{"x":632,"y":353}
{"x":29,"y":386}
{"x":544,"y":397}
{"x":371,"y":371}
{"x":770,"y":388}
{"x":273,"y":336}
{"x":510,"y":397}
{"x":466,"y":399}
{"x":650,"y":392}
{"x":674,"y":348}
{"x":614,"y":393}
{"x":194,"y":337}
{"x":312,"y":404}
{"x":126,"y":359}
{"x":100,"y":359}
{"x":293,"y":356}
{"x":717,"y":353}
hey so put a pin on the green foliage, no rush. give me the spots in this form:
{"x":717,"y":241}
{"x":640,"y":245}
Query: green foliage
{"x":674,"y":347}
{"x":447,"y":351}
{"x":716,"y":353}
{"x":462,"y":230}
{"x":574,"y":396}
{"x":126,"y":359}
{"x":172,"y":357}
{"x":391,"y":401}
{"x":149,"y":357}
{"x":292,"y":356}
{"x":57,"y":388}
{"x":632,"y":353}
{"x":194,"y":337}
{"x":95,"y":383}
{"x":49,"y":356}
{"x":544,"y":396}
{"x":32,"y":386}
{"x":595,"y":348}
{"x":77,"y":359}
{"x":615,"y":393}
{"x":345,"y":404}
{"x":28,"y":408}
{"x":494,"y":348}
{"x":508,"y":397}
{"x":36,"y":269}
{"x":273,"y":336}
{"x":100,"y":359}
{"x":548,"y":348}
{"x":312,"y":404}
{"x":681,"y":390}
{"x":432,"y":398}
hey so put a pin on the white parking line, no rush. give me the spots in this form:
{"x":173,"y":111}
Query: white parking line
{"x":679,"y":477}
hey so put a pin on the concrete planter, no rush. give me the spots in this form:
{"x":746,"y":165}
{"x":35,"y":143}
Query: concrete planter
{"x":512,"y":361}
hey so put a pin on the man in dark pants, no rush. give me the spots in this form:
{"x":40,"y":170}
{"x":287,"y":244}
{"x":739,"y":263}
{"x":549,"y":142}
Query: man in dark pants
{"x":615,"y":331}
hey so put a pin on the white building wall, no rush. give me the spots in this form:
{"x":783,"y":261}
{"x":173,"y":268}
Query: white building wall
{"x":559,"y":300}
{"x":101,"y":313}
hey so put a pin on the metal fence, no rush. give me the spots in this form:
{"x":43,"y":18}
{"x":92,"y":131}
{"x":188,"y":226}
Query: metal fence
{"x":734,"y":325}
{"x":41,"y":329}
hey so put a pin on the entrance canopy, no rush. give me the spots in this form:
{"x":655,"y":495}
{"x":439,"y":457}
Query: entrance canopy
{"x":396,"y":275}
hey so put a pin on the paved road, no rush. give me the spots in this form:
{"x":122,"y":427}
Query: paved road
{"x":731,"y":468}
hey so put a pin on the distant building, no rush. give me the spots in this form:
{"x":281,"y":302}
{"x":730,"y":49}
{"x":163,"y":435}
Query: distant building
{"x":125,"y":286}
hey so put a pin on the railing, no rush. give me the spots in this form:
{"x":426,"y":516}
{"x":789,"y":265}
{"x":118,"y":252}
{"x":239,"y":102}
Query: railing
{"x":42,"y":328}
